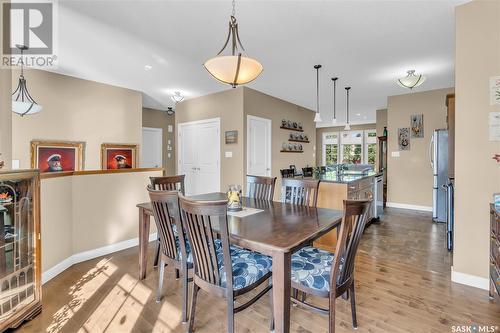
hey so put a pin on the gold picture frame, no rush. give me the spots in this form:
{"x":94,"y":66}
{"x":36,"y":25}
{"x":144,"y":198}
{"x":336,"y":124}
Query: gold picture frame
{"x":70,"y":155}
{"x":128,"y":152}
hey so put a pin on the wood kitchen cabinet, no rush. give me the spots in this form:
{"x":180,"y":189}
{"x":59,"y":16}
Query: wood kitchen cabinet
{"x":332,"y":195}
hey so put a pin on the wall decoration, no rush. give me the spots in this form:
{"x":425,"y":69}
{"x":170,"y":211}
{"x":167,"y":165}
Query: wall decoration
{"x":231,"y":137}
{"x":119,"y":156}
{"x":56,"y":156}
{"x":495,"y":90}
{"x":291,"y":125}
{"x":417,"y":126}
{"x":404,"y":138}
{"x":291,"y":148}
{"x":494,"y":126}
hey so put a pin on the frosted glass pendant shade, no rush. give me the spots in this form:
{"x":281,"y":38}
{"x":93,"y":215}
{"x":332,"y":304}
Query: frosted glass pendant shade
{"x":411,"y":80}
{"x":347,"y":127}
{"x":317,"y":117}
{"x":25,"y":108}
{"x":234,"y":69}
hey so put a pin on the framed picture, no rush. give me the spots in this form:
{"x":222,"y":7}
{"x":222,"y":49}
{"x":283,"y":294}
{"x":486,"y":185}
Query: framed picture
{"x":118,"y":156}
{"x":404,"y":138}
{"x":57,"y":156}
{"x":231,"y":137}
{"x":417,"y":126}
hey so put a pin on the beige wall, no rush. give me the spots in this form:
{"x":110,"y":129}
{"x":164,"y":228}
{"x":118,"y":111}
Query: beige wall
{"x":88,"y":212}
{"x":5,"y":111}
{"x":76,"y":110}
{"x":409,"y":177}
{"x":319,"y":137}
{"x":381,"y":121}
{"x":228,"y":106}
{"x":160,"y":119}
{"x":477,"y":174}
{"x":265,"y":106}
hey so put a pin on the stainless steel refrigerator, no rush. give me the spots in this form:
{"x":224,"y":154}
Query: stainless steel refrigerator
{"x":439,"y":163}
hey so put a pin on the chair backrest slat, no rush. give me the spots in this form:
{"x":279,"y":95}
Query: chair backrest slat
{"x":166,"y":212}
{"x":261,"y":188}
{"x":199,"y":217}
{"x":302,"y":192}
{"x":168,"y":183}
{"x":351,"y":231}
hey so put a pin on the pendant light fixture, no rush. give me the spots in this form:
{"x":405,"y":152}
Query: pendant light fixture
{"x":317,"y":116}
{"x":170,"y":111}
{"x":22,"y":102}
{"x":334,"y":79}
{"x":234,"y":69}
{"x":347,"y":125}
{"x":411,"y":80}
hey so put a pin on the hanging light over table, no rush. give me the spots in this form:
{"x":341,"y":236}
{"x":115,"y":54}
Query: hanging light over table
{"x":347,"y":125}
{"x":317,"y":116}
{"x":235,"y":69}
{"x":22,"y":102}
{"x":411,"y":80}
{"x":334,"y":79}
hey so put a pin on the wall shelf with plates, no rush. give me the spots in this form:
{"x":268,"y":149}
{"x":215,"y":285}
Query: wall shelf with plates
{"x":292,"y":151}
{"x":292,"y":129}
{"x":292,"y":140}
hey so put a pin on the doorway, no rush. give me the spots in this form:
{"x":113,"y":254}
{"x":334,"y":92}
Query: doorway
{"x":152,"y":147}
{"x":199,"y":155}
{"x":258,"y":146}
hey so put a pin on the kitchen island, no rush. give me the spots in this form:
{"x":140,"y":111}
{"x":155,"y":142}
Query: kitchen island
{"x":334,"y":189}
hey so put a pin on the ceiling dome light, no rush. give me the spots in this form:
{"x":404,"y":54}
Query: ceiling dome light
{"x":411,"y":80}
{"x":22,"y":102}
{"x":177,"y":97}
{"x":235,"y":69}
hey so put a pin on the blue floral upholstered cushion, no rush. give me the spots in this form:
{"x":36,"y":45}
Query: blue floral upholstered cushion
{"x":311,"y":268}
{"x":248,"y":266}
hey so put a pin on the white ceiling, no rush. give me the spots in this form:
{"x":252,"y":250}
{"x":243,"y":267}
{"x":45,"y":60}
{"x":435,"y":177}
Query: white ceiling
{"x":367,"y":44}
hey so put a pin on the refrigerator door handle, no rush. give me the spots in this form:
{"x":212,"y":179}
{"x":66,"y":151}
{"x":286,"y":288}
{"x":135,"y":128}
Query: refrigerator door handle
{"x":431,"y":153}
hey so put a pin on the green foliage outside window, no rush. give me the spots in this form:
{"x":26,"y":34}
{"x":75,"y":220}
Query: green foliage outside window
{"x":352,"y":154}
{"x":372,"y":151}
{"x":331,"y":154}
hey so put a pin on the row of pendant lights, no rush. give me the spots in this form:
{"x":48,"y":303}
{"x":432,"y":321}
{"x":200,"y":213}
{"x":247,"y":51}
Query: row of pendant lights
{"x":317,"y":116}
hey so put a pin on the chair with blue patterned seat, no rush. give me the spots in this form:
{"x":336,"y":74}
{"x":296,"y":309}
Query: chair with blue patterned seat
{"x":221,"y":269}
{"x":174,"y":247}
{"x":314,"y":271}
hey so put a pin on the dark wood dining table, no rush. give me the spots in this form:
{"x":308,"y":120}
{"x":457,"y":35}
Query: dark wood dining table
{"x":277,"y":231}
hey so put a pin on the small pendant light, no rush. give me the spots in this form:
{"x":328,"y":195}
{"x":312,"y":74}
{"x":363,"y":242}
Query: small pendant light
{"x":347,"y":126}
{"x":317,"y":116}
{"x":334,"y":79}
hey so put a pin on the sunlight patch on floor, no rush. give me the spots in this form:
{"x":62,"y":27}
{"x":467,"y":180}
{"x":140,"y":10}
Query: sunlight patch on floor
{"x":169,"y":317}
{"x":120,"y":309}
{"x":81,"y":292}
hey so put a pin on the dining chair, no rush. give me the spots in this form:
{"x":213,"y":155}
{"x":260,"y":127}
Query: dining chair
{"x":302,"y":192}
{"x":174,"y":247}
{"x":221,"y":269}
{"x":315,"y":271}
{"x":307,"y":172}
{"x":261,"y":188}
{"x":167,"y":183}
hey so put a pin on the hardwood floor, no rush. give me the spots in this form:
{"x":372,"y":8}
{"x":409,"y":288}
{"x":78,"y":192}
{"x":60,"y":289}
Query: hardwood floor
{"x":402,"y":285}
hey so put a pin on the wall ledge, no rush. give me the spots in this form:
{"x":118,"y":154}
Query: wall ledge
{"x":57,"y":269}
{"x":408,"y":206}
{"x":94,"y":172}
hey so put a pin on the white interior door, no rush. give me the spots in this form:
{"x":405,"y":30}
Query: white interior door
{"x":152,"y":147}
{"x":199,"y":156}
{"x":258,"y":146}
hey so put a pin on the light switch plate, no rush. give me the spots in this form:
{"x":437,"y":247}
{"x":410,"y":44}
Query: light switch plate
{"x":170,"y":128}
{"x":395,"y":154}
{"x":169,"y":142}
{"x":228,"y":154}
{"x":169,"y":155}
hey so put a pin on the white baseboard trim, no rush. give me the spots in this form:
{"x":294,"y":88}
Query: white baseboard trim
{"x":90,"y":254}
{"x":407,"y":206}
{"x":470,"y":280}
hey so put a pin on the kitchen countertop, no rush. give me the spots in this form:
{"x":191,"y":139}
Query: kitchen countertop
{"x":345,"y":178}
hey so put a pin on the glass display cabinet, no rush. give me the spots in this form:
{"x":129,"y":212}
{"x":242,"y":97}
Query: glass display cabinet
{"x":20,"y":257}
